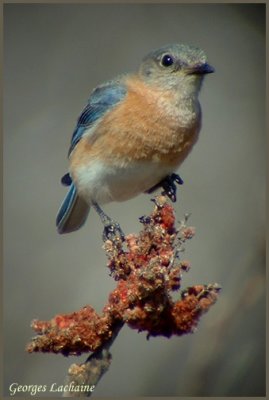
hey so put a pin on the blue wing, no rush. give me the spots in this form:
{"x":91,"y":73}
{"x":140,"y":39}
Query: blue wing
{"x":74,"y":211}
{"x":101,"y":100}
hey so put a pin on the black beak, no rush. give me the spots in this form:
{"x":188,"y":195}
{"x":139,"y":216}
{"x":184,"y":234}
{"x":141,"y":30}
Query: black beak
{"x":201,"y":69}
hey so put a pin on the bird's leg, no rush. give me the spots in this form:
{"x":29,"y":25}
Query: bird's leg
{"x":112,"y":229}
{"x":169,"y":186}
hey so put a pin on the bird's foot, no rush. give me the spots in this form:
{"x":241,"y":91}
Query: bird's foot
{"x":169,"y":186}
{"x":112,"y":230}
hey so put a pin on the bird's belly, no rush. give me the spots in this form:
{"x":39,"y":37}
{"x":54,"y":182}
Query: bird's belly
{"x":103,"y":184}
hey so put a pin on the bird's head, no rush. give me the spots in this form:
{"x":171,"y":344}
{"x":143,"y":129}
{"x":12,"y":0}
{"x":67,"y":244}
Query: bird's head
{"x":176,"y":66}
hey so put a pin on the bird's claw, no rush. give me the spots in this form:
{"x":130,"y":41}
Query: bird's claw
{"x":112,"y":231}
{"x":169,"y":186}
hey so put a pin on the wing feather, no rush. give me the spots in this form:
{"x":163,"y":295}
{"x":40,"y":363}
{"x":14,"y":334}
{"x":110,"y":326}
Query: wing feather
{"x":101,"y":100}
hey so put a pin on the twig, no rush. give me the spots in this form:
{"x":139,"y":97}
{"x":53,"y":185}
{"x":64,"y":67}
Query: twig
{"x":85,"y":376}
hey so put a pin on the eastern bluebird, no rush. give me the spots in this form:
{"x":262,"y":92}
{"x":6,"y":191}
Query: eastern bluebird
{"x":133,"y":133}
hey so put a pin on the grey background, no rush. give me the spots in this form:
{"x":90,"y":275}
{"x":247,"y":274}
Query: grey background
{"x":53,"y":56}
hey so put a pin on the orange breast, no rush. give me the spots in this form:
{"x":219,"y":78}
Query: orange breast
{"x":139,"y":129}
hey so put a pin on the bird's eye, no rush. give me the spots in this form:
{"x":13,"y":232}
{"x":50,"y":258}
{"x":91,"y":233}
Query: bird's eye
{"x":167,"y":60}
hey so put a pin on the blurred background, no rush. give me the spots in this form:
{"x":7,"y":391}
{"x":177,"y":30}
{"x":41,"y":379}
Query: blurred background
{"x":54,"y":55}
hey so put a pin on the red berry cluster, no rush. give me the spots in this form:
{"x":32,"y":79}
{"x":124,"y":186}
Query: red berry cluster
{"x":147,"y":268}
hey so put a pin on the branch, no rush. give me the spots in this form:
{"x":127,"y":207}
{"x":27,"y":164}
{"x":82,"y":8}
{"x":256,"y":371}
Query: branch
{"x":86,"y":375}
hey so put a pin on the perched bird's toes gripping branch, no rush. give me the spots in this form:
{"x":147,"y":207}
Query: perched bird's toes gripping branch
{"x":168,"y":186}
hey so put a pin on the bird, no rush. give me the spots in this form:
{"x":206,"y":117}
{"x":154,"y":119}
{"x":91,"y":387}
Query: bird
{"x":133,"y":133}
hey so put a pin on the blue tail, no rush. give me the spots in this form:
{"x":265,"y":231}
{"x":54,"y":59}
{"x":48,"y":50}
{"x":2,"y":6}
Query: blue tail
{"x":72,"y":213}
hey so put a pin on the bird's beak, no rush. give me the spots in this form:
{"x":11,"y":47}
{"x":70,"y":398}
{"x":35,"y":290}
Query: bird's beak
{"x":200,"y":69}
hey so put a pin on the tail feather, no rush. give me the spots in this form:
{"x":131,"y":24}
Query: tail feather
{"x":72,"y":213}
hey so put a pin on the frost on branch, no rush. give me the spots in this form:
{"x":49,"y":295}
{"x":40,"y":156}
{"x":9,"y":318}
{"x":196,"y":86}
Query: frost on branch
{"x":147,"y":268}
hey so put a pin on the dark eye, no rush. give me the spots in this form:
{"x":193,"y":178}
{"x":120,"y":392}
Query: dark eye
{"x":167,"y":60}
